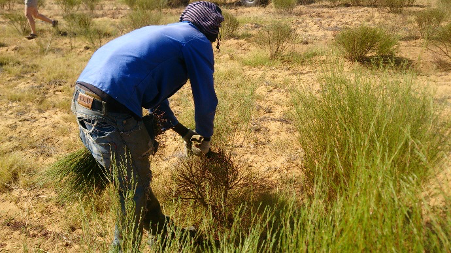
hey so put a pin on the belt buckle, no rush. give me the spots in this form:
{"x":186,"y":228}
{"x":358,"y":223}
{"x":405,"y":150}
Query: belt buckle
{"x":85,"y":100}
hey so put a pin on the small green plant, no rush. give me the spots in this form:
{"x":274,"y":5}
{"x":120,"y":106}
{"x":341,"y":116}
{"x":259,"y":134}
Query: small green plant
{"x":140,"y":18}
{"x":277,"y":38}
{"x":430,"y":19}
{"x":229,"y":26}
{"x":19,"y":22}
{"x":358,"y":43}
{"x":90,"y":4}
{"x":178,"y":3}
{"x":396,"y":6}
{"x":285,"y":5}
{"x":8,"y":60}
{"x":146,"y":4}
{"x":12,"y":168}
{"x":82,"y":24}
{"x":69,"y":6}
{"x":7,"y":4}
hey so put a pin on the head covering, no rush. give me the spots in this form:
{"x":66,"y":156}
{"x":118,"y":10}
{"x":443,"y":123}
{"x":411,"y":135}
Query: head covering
{"x":206,"y":16}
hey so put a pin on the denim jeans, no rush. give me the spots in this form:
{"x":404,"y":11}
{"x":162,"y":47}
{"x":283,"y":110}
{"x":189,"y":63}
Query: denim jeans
{"x":120,"y":136}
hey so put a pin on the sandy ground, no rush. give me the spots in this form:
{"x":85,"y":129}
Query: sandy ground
{"x":29,"y":221}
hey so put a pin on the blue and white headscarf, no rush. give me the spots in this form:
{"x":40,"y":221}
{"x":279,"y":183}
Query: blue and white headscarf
{"x":206,"y":16}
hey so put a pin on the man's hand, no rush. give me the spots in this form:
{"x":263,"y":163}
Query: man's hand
{"x":194,"y":143}
{"x":200,"y":146}
{"x":187,"y":140}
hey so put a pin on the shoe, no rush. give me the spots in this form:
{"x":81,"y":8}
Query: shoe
{"x":54,"y":23}
{"x":31,"y":36}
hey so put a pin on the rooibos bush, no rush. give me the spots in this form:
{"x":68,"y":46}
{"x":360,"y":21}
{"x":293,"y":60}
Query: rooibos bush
{"x":359,"y":42}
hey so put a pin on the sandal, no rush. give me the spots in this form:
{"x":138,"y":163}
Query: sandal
{"x":31,"y":36}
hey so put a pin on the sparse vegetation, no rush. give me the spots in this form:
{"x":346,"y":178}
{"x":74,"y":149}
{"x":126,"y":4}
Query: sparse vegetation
{"x":429,"y":20}
{"x":19,"y":22}
{"x":277,"y":37}
{"x":14,"y":169}
{"x":285,"y":5}
{"x":315,"y":153}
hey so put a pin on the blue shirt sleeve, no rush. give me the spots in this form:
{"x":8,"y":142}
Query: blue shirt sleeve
{"x":200,"y":66}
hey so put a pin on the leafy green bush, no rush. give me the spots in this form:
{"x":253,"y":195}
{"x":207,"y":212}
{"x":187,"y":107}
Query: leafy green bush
{"x":276,"y":37}
{"x":357,"y":43}
{"x":229,"y":26}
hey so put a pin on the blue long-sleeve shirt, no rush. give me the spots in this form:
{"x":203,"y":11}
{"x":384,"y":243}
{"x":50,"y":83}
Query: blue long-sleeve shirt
{"x":145,"y":67}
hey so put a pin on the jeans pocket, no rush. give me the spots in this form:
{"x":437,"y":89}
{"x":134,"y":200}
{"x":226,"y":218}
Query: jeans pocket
{"x":98,"y":137}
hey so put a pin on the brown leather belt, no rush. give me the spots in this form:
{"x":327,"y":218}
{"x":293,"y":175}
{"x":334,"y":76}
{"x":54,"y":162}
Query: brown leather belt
{"x":96,"y":99}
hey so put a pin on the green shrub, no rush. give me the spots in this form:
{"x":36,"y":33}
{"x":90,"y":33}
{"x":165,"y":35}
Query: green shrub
{"x":276,"y":37}
{"x":140,"y":18}
{"x":350,"y":123}
{"x":285,"y":5}
{"x":445,"y":5}
{"x":146,"y":4}
{"x":178,"y":3}
{"x":12,"y":168}
{"x":8,"y":60}
{"x":357,"y":43}
{"x":7,"y":4}
{"x":396,"y":6}
{"x":19,"y":22}
{"x":69,"y":6}
{"x":440,"y":40}
{"x":303,"y":2}
{"x":393,"y":5}
{"x":81,"y":24}
{"x":430,"y":19}
{"x":90,"y":4}
{"x":229,"y":26}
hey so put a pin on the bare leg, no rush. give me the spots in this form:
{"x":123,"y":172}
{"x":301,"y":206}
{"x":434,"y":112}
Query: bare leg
{"x":42,"y":17}
{"x":31,"y":13}
{"x":31,"y":21}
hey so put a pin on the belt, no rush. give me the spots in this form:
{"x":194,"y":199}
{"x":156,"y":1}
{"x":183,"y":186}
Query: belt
{"x":89,"y":99}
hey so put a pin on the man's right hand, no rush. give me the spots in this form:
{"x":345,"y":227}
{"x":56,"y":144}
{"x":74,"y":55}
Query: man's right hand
{"x":187,"y":140}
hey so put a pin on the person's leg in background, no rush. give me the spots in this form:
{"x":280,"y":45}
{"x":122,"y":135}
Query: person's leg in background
{"x":31,"y":12}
